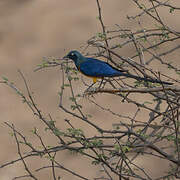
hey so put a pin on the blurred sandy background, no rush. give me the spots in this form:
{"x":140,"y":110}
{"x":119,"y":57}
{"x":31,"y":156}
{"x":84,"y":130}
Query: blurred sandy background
{"x":32,"y":29}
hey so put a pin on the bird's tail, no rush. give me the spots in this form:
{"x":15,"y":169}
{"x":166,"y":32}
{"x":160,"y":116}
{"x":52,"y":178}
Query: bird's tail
{"x":146,"y":79}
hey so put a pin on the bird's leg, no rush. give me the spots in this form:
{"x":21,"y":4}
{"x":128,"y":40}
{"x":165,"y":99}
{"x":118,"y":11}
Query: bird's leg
{"x":101,"y":83}
{"x":87,"y":92}
{"x":90,"y":86}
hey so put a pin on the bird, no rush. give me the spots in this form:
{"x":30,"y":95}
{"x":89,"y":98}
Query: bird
{"x":97,"y":69}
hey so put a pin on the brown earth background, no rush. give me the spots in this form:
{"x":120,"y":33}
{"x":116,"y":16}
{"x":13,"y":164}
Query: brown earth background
{"x":30,"y":30}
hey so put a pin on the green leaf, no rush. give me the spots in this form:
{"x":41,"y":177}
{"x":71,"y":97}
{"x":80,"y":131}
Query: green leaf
{"x":116,"y":147}
{"x":96,"y":162}
{"x":66,"y":85}
{"x":75,"y":132}
{"x":72,"y":99}
{"x":5,"y":78}
{"x":34,"y":131}
{"x":171,"y":10}
{"x":147,"y":102}
{"x":70,"y":78}
{"x":97,"y":17}
{"x":126,"y":149}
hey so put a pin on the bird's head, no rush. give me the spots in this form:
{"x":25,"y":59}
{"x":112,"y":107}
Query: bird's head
{"x":73,"y":55}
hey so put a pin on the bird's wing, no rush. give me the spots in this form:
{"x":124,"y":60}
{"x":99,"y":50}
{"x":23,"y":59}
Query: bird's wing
{"x":96,"y":68}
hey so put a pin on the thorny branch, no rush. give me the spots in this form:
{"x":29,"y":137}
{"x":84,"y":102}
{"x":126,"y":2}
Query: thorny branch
{"x":115,"y":149}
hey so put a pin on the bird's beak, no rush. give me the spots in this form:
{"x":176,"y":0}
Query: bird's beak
{"x":65,"y":57}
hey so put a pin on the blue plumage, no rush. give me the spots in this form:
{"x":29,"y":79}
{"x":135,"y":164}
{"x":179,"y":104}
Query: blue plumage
{"x":96,"y":68}
{"x":99,"y":69}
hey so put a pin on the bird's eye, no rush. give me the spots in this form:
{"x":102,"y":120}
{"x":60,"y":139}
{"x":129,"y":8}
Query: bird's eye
{"x":72,"y":54}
